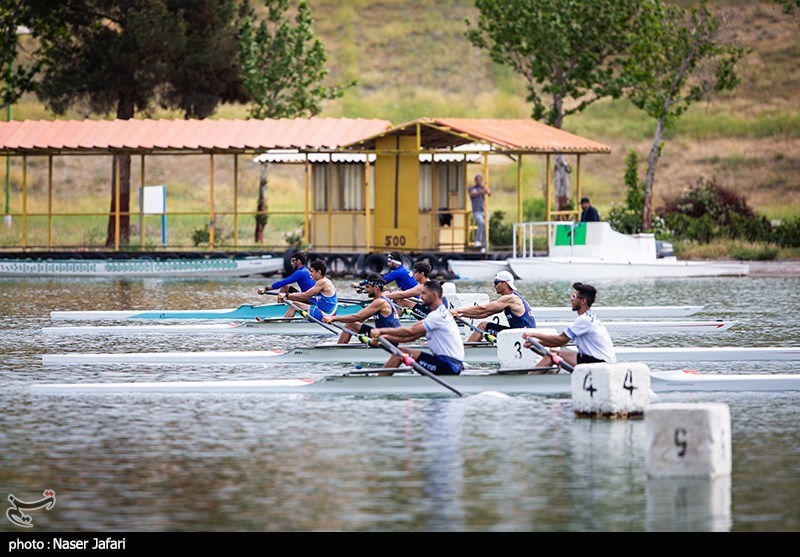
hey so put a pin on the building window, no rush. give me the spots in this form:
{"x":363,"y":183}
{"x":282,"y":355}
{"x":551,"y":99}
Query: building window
{"x":339,"y":186}
{"x":451,"y":184}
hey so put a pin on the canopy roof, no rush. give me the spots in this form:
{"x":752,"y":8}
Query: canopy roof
{"x":182,"y":136}
{"x":504,"y":135}
{"x":306,"y":135}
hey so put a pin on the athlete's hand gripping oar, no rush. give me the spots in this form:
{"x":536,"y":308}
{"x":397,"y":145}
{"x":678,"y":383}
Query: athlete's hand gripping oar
{"x":363,"y":338}
{"x":544,"y":352}
{"x":308,"y":316}
{"x":409,"y":361}
{"x":485,"y":334}
{"x":343,"y":300}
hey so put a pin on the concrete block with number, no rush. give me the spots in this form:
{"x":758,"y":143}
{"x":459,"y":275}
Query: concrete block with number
{"x":511,"y":352}
{"x":688,"y":439}
{"x":611,"y":390}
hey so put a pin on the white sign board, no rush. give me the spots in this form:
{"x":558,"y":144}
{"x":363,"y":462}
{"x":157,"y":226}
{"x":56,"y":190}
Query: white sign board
{"x":154,"y":200}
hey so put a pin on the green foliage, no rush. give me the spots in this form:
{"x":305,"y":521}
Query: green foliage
{"x":283,"y":65}
{"x":708,"y":210}
{"x":202,"y":236}
{"x":787,"y":233}
{"x":295,"y":239}
{"x":561,"y":49}
{"x":534,"y":210}
{"x":501,"y":233}
{"x":754,"y":254}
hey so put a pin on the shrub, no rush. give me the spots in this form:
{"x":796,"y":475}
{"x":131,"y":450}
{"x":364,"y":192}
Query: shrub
{"x":203,"y":236}
{"x":500,"y":233}
{"x":787,"y":233}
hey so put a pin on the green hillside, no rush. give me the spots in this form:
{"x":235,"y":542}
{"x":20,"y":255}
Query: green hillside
{"x":411,"y":59}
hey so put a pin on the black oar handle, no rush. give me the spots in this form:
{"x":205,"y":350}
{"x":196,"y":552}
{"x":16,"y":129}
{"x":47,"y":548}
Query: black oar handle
{"x":486,"y":334}
{"x":544,"y":352}
{"x":363,"y":338}
{"x":409,"y":361}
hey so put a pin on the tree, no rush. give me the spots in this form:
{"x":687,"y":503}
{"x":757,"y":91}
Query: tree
{"x":564,"y":49}
{"x":283,"y":66}
{"x":18,"y":78}
{"x":126,"y":56}
{"x":677,"y":57}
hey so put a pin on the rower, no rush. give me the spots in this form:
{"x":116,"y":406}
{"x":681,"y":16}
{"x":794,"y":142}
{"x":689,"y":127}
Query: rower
{"x":441,"y":330}
{"x":319,"y":299}
{"x":300,"y":275}
{"x":589,"y":334}
{"x":516,"y":309}
{"x":397,"y":273}
{"x":381,"y":308}
{"x":409,"y":298}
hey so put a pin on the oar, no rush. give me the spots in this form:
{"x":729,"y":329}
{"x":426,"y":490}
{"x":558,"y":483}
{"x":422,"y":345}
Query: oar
{"x":343,"y":300}
{"x":409,"y":361}
{"x":544,"y":352}
{"x":310,"y":317}
{"x":363,"y":338}
{"x":485,"y":334}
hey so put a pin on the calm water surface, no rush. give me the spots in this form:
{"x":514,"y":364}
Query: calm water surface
{"x":367,"y":463}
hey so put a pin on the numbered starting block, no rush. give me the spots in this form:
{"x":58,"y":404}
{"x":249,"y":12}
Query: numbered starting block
{"x":688,"y":440}
{"x":620,"y":390}
{"x":511,"y":352}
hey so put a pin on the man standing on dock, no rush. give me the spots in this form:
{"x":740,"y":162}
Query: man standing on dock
{"x":587,"y":332}
{"x":442,"y":332}
{"x":477,"y":194}
{"x":516,"y":309}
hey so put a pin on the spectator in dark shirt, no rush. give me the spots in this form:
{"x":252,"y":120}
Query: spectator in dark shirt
{"x":589,"y":213}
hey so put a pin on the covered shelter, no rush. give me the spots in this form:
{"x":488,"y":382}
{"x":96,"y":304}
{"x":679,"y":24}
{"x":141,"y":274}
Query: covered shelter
{"x":368,"y":186}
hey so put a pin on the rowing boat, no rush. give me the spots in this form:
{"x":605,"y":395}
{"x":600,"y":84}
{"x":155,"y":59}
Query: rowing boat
{"x":300,"y":326}
{"x":266,"y":311}
{"x":477,"y":353}
{"x":403,"y":384}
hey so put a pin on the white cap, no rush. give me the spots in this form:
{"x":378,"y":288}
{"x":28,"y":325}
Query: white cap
{"x":505,"y":276}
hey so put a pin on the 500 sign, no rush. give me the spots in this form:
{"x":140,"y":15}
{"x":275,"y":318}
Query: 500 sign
{"x":394,"y":241}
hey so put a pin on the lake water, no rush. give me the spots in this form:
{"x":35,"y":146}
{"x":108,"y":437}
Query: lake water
{"x":346,"y":463}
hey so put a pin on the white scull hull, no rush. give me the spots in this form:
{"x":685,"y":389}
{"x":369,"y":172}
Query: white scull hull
{"x":475,"y":354}
{"x":405,"y":384}
{"x":306,"y":328}
{"x":276,"y":310}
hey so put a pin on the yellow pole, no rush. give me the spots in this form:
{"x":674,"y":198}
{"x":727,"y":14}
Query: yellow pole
{"x":236,"y":201}
{"x":306,"y":235}
{"x":329,"y":195}
{"x":486,"y":211}
{"x":211,"y":203}
{"x":25,"y":201}
{"x":519,"y":188}
{"x":49,"y":201}
{"x":578,"y":179}
{"x":547,"y":187}
{"x":367,"y":227}
{"x":141,"y":204}
{"x":116,"y":204}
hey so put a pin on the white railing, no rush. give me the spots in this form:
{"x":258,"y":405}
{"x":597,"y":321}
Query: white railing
{"x":526,"y":233}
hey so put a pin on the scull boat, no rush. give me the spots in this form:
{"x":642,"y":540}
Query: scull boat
{"x":300,"y":326}
{"x":406,"y":384}
{"x":266,"y":311}
{"x":477,"y":353}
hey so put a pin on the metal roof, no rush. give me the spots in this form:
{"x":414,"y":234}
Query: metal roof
{"x":504,"y":135}
{"x":181,"y":136}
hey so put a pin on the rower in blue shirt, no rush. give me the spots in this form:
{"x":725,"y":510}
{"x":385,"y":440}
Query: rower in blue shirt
{"x":397,"y":273}
{"x":319,"y":299}
{"x":301,"y":276}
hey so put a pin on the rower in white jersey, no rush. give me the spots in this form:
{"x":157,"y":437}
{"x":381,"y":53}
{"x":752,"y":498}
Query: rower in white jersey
{"x":587,"y":332}
{"x":440,"y":329}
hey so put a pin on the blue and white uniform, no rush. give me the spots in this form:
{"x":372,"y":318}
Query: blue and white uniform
{"x":402,"y":276}
{"x":382,"y":322}
{"x":592,"y":339}
{"x":301,"y":276}
{"x":325,"y":304}
{"x":445,"y":343}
